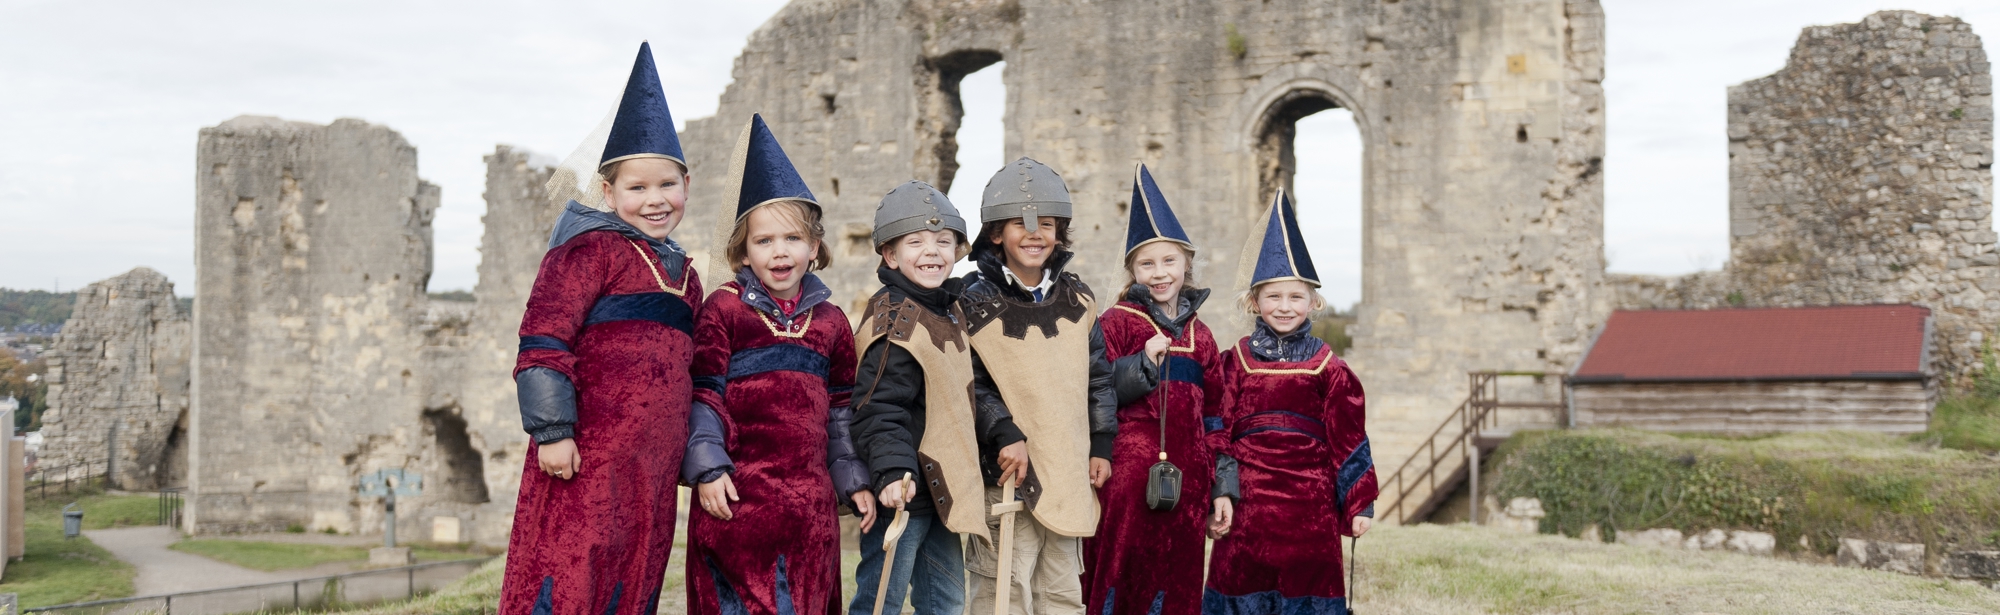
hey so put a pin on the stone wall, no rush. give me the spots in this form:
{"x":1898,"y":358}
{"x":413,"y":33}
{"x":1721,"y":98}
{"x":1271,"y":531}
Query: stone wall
{"x":1862,"y":173}
{"x":1481,"y":124}
{"x":312,"y":249}
{"x":118,"y":383}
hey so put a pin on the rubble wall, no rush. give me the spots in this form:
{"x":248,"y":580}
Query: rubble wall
{"x":118,"y":384}
{"x":1481,"y":121}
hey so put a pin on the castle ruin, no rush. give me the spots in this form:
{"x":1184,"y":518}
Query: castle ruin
{"x":1860,"y":173}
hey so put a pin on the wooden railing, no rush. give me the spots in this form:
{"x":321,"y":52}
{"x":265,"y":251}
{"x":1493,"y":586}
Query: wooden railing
{"x":1451,"y":452}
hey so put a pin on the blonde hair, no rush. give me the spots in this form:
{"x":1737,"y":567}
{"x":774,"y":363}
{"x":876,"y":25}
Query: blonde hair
{"x":1247,"y":300}
{"x":1187,"y":274}
{"x":610,"y":171}
{"x":802,"y":215}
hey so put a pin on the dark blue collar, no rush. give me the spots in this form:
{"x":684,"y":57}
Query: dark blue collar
{"x":577,"y":220}
{"x":811,"y":292}
{"x":1294,"y":347}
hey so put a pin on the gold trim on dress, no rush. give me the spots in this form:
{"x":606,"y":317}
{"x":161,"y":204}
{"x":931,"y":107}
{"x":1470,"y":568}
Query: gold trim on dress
{"x":805,"y":325}
{"x":1243,"y":353}
{"x":1157,"y":329}
{"x":656,"y":270}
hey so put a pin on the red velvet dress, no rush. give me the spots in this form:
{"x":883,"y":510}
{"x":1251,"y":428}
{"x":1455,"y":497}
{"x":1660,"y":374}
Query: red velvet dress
{"x":1303,"y":460}
{"x":598,"y":542}
{"x":780,"y":554}
{"x":1143,"y":562}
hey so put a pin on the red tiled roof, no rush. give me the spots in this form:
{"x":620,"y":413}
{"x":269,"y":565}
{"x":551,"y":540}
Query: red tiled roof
{"x":1848,"y":342}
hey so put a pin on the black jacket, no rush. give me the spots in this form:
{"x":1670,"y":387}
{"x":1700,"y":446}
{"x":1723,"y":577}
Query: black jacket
{"x":988,"y":281}
{"x":889,"y":407}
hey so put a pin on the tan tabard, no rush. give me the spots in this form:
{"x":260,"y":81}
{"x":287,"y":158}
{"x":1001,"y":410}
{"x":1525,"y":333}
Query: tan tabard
{"x":949,"y":452}
{"x":1039,"y":358}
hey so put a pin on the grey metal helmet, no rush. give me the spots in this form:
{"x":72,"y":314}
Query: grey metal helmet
{"x":916,"y":206}
{"x":1024,"y":189}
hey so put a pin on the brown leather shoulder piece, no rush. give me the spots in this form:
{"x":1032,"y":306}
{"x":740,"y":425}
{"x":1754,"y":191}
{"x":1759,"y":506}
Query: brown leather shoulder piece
{"x":1015,"y":317}
{"x":896,"y":320}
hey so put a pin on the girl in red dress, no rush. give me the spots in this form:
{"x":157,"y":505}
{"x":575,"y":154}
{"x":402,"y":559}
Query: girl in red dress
{"x":1144,"y":561}
{"x":1296,"y":422}
{"x":603,"y":378}
{"x":773,"y":368}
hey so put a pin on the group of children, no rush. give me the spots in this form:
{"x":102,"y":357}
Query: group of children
{"x":1111,"y":443}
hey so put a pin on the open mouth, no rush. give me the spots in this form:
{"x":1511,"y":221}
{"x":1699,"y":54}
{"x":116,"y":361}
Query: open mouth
{"x":930,"y":268}
{"x":658,"y":218}
{"x":781,"y":272}
{"x":1161,"y":289}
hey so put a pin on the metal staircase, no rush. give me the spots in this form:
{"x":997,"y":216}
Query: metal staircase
{"x":1451,"y":454}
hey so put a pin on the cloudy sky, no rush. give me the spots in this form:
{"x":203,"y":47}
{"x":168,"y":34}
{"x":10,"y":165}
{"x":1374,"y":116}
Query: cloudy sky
{"x":101,"y":102}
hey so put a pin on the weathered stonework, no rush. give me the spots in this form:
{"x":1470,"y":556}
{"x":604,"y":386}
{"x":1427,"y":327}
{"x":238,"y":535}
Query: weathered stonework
{"x":1481,"y":124}
{"x":118,"y":383}
{"x":1862,"y":173}
{"x":312,"y":248}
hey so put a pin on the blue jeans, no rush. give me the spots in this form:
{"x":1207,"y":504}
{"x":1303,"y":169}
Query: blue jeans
{"x":929,"y":563}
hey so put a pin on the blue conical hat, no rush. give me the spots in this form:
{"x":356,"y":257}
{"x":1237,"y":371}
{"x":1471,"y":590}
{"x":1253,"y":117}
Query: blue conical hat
{"x":643,"y":128}
{"x":762,"y":172}
{"x":1152,"y":219}
{"x":1278,"y":249}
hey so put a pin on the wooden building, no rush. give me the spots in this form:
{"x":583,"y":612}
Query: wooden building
{"x":1851,"y":367}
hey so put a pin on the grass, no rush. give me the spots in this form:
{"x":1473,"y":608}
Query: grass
{"x":57,"y":570}
{"x":1465,"y":569}
{"x":1820,"y":486}
{"x":1966,"y":423}
{"x":269,"y":556}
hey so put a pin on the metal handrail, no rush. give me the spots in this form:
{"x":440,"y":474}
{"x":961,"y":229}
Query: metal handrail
{"x":169,"y":598}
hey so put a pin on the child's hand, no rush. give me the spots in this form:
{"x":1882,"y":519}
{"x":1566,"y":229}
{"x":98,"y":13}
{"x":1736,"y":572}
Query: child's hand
{"x":893,"y":496}
{"x":1100,"y":471}
{"x":1156,"y":348}
{"x":716,"y":496}
{"x":559,"y":458}
{"x":1014,"y":461}
{"x":864,"y":503}
{"x":1361,"y":525}
{"x":1223,"y":517}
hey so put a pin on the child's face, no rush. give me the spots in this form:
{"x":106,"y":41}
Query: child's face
{"x":1284,"y":305}
{"x":1162,"y":266}
{"x":925,"y":257}
{"x":1028,"y":249}
{"x":648,"y":193}
{"x":778,"y":251}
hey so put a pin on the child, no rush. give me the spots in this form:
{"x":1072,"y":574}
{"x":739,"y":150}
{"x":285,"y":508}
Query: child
{"x":1039,"y":360}
{"x":773,"y":366}
{"x":1145,"y":561}
{"x":913,"y":411}
{"x":603,"y":379}
{"x":1299,"y":439}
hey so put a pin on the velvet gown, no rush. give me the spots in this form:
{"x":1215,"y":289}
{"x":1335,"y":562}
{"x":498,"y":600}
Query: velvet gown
{"x":602,"y":314}
{"x":1304,"y":464}
{"x":774,"y":388}
{"x":1143,"y":562}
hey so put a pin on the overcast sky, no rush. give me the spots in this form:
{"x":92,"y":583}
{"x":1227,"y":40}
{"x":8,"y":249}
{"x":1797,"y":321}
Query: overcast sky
{"x":101,"y":102}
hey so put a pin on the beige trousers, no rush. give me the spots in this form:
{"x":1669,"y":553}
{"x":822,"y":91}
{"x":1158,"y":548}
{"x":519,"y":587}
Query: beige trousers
{"x":1047,"y":568}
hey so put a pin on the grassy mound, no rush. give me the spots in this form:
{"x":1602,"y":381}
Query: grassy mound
{"x":1820,"y":486}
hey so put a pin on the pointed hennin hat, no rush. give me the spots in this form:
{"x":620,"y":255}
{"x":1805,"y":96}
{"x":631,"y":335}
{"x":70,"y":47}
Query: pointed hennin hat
{"x":1277,"y":251}
{"x":759,"y":174}
{"x":643,"y":128}
{"x":1152,"y":219}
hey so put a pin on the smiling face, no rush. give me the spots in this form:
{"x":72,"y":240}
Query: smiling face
{"x":1162,"y":266}
{"x":778,"y":247}
{"x":1027,"y":250}
{"x":648,"y":193}
{"x":1284,"y":305}
{"x":925,"y":257}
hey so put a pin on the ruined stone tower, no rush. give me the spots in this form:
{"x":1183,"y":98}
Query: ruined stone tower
{"x":118,"y":384}
{"x":1482,"y":128}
